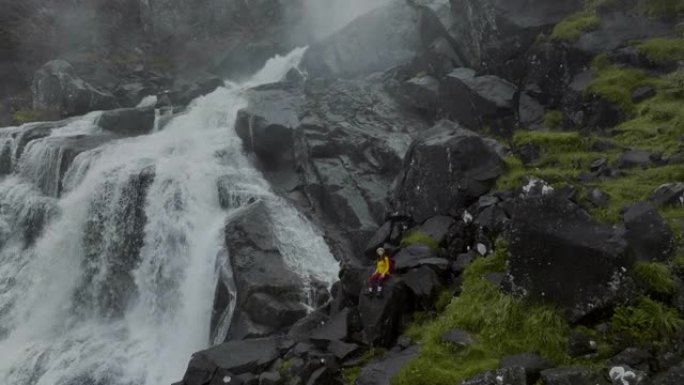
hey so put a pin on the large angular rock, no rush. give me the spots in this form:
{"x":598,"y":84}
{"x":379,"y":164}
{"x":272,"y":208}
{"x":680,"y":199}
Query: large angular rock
{"x":478,"y":101}
{"x":560,"y":255}
{"x":648,"y":235}
{"x":493,"y":32}
{"x":57,"y":87}
{"x":374,"y":42}
{"x":531,"y":362}
{"x":571,"y":376}
{"x":236,"y":357}
{"x":417,"y":255}
{"x":508,"y":376}
{"x":259,"y":269}
{"x":335,"y":329}
{"x":382,"y":317}
{"x":128,"y":121}
{"x":437,"y":227}
{"x":448,"y":168}
{"x":673,"y":376}
{"x":382,"y":371}
{"x":267,"y":126}
{"x":272,"y":311}
{"x":671,"y":194}
{"x":424,"y":283}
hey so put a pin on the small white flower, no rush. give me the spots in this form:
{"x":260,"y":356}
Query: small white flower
{"x":226,"y":379}
{"x":467,"y":218}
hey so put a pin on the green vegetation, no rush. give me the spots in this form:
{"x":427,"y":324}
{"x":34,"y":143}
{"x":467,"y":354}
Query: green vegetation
{"x":662,"y":50}
{"x":500,"y":324}
{"x":419,"y":237}
{"x":655,"y":277}
{"x":350,"y":375}
{"x":32,"y":115}
{"x":663,"y":8}
{"x":617,"y":85}
{"x":553,"y":119}
{"x":562,"y":155}
{"x":572,"y":27}
{"x":635,"y":186}
{"x":648,"y":322}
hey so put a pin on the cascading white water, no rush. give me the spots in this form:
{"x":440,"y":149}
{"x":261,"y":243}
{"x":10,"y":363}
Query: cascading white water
{"x":118,"y":288}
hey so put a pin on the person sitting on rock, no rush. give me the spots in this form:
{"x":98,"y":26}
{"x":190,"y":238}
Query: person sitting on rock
{"x":383,"y":269}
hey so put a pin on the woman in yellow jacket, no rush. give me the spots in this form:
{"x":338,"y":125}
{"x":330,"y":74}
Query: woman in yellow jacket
{"x":383,"y":269}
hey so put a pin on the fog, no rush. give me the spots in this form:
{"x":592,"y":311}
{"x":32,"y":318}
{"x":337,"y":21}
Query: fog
{"x":323,"y":17}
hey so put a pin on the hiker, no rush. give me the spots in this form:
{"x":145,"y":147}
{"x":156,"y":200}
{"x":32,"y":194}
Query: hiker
{"x":383,"y":269}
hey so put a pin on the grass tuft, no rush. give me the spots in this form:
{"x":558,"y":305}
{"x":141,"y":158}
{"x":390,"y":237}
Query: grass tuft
{"x":654,"y":277}
{"x":419,"y":238}
{"x":571,"y":28}
{"x":501,"y":325}
{"x":662,"y":50}
{"x":646,"y":323}
{"x":617,"y":85}
{"x":553,"y":119}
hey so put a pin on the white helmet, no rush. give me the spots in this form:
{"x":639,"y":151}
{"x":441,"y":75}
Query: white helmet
{"x":380,"y":251}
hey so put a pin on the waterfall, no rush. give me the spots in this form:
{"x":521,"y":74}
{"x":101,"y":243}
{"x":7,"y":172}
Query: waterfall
{"x":108,"y":268}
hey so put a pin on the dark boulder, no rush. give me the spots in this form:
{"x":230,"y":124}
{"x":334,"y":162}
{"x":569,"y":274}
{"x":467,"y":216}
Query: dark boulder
{"x":235,"y":357}
{"x":674,"y":376}
{"x":598,"y":198}
{"x":632,"y":357}
{"x":531,"y":362}
{"x":580,"y":344}
{"x":270,"y":378}
{"x":560,"y":255}
{"x":382,"y":317}
{"x":418,"y":255}
{"x":571,"y":376}
{"x":636,"y":158}
{"x":128,"y":121}
{"x":668,"y":195}
{"x":643,"y":93}
{"x":420,"y":93}
{"x":648,"y":235}
{"x":377,"y":41}
{"x":449,"y":167}
{"x":267,"y":126}
{"x":458,"y":338}
{"x":437,"y":227}
{"x":335,"y":329}
{"x":272,"y":311}
{"x":381,"y":372}
{"x":492,"y":32}
{"x":324,"y":376}
{"x":301,"y":330}
{"x":259,"y":268}
{"x":478,"y":101}
{"x":57,"y":87}
{"x":508,"y":376}
{"x":530,"y":112}
{"x":424,"y":283}
{"x":379,"y":238}
{"x":342,"y":350}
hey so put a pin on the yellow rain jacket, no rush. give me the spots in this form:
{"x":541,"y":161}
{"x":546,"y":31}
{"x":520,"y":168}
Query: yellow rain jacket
{"x":382,"y":266}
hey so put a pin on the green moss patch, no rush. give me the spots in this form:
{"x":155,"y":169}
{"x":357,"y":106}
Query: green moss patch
{"x":617,"y":85}
{"x":419,"y":238}
{"x":32,"y":115}
{"x":572,"y":27}
{"x":500,"y":325}
{"x":655,"y":277}
{"x":553,"y":119}
{"x":635,"y":186}
{"x":663,"y":8}
{"x":645,"y":323}
{"x":662,"y":50}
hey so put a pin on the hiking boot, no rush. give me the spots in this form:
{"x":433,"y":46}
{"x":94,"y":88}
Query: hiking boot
{"x":378,"y":292}
{"x":369,"y":292}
